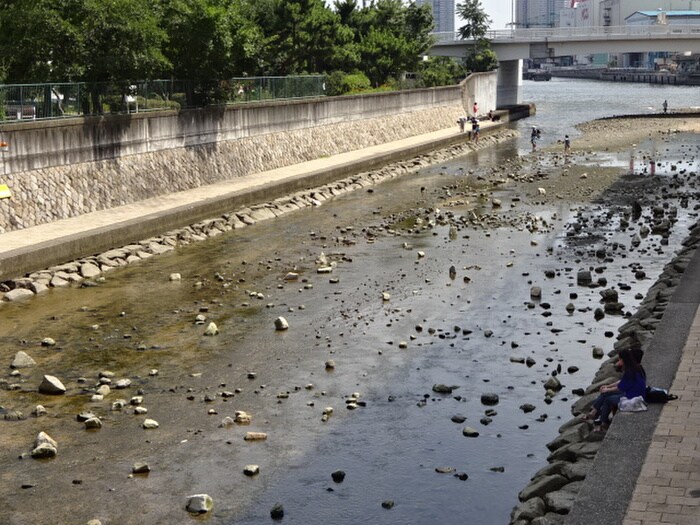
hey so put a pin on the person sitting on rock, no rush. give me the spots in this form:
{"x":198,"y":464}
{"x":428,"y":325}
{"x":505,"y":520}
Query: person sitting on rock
{"x":633,"y":383}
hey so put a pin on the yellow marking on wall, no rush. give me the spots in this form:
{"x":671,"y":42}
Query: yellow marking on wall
{"x":5,"y":192}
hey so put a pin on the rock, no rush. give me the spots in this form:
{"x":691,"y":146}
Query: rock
{"x":255,"y":436}
{"x":84,"y":416}
{"x":212,"y":329}
{"x":445,"y":470}
{"x":242,"y":418}
{"x":542,"y":486}
{"x":338,"y":476}
{"x":18,"y":294}
{"x":103,"y":390}
{"x":51,"y":386}
{"x":44,"y":451}
{"x":175,"y":277}
{"x":552,"y":384}
{"x":598,"y":352}
{"x":584,"y":278}
{"x":44,"y":446}
{"x":22,"y":360}
{"x":251,"y":470}
{"x":458,"y":419}
{"x":386,"y":296}
{"x":226,"y":422}
{"x":535,"y":292}
{"x":59,"y":282}
{"x":550,"y":519}
{"x":277,"y":512}
{"x":443,"y":389}
{"x":489,"y":399}
{"x":527,"y":407}
{"x":388,"y":504}
{"x":330,"y":364}
{"x":39,"y":411}
{"x":94,"y":423}
{"x":575,"y":452}
{"x":199,"y":503}
{"x":123,"y":383}
{"x":89,"y":270}
{"x":470,"y":432}
{"x":47,"y":341}
{"x":140,"y":468}
{"x":150,"y":424}
{"x":529,"y":510}
{"x":561,"y":501}
{"x":281,"y":324}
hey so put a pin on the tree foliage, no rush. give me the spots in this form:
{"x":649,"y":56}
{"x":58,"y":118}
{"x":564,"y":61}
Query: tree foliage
{"x":481,"y":57}
{"x":209,"y":40}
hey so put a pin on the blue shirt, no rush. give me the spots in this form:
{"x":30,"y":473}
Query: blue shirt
{"x":632,"y":384}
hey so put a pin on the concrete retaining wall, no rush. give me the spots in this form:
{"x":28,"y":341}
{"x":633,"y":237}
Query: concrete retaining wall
{"x":479,"y":88}
{"x":62,"y":169}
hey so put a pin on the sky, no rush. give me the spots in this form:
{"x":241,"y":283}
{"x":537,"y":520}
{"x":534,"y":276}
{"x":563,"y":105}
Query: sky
{"x":498,"y":10}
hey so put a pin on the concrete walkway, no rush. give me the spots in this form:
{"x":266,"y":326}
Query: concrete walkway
{"x":45,"y":245}
{"x":647,"y":471}
{"x":668,"y":487}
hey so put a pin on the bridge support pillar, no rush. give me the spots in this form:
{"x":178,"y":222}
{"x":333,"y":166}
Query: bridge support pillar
{"x":509,"y":83}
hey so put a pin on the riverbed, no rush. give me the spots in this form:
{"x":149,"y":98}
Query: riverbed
{"x":391,"y":315}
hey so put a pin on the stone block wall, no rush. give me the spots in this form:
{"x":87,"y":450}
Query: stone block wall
{"x":161,"y":154}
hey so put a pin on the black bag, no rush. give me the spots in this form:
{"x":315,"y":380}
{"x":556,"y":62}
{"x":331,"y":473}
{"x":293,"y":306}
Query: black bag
{"x":658,"y":395}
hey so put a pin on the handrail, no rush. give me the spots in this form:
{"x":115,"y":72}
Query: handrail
{"x":540,"y":34}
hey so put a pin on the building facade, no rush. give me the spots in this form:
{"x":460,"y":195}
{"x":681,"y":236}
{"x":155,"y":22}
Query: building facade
{"x":443,"y":14}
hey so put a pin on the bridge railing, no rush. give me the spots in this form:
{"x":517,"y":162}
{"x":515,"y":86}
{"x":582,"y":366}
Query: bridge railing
{"x":579,"y":33}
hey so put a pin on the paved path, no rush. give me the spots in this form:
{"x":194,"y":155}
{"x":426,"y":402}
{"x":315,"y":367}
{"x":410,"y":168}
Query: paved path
{"x":668,"y":487}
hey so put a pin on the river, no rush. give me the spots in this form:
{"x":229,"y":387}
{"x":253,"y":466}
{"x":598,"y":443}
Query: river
{"x":460,"y":330}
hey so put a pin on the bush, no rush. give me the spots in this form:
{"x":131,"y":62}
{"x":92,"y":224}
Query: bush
{"x":341,"y":83}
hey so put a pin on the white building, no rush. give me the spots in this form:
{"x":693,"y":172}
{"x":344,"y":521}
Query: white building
{"x":443,"y":14}
{"x":614,"y":12}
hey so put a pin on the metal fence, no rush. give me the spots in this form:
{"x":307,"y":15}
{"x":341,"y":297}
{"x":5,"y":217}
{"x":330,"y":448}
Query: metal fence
{"x":52,"y":101}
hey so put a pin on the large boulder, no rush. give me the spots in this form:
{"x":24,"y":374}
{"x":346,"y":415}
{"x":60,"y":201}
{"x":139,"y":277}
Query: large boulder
{"x":529,"y":510}
{"x":22,"y":360}
{"x":542,"y":486}
{"x":199,"y":503}
{"x":51,"y":386}
{"x":18,"y":294}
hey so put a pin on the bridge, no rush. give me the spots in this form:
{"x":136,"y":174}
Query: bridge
{"x":513,"y":45}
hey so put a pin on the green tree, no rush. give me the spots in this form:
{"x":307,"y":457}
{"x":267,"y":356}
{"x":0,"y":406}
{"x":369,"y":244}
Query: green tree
{"x":481,"y":57}
{"x":476,"y":20}
{"x":40,"y":40}
{"x":392,"y":38}
{"x":441,"y":71}
{"x":121,"y":40}
{"x":209,"y":42}
{"x":302,"y":36}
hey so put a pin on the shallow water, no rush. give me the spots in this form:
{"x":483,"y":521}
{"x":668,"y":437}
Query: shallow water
{"x":138,"y":321}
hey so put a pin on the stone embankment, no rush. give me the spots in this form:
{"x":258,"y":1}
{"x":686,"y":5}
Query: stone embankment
{"x":58,"y":192}
{"x":88,"y":271}
{"x":552,"y":492}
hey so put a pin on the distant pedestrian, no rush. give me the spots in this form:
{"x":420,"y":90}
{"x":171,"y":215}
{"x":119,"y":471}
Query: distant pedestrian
{"x":477,"y":131}
{"x":534,"y":135}
{"x":475,"y":126}
{"x":462,"y":121}
{"x":475,"y":109}
{"x":665,"y":106}
{"x":567,"y":144}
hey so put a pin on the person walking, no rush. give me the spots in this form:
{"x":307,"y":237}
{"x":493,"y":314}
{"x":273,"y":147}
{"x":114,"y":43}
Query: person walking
{"x":533,"y":138}
{"x":665,"y":106}
{"x":567,"y":144}
{"x":475,"y":109}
